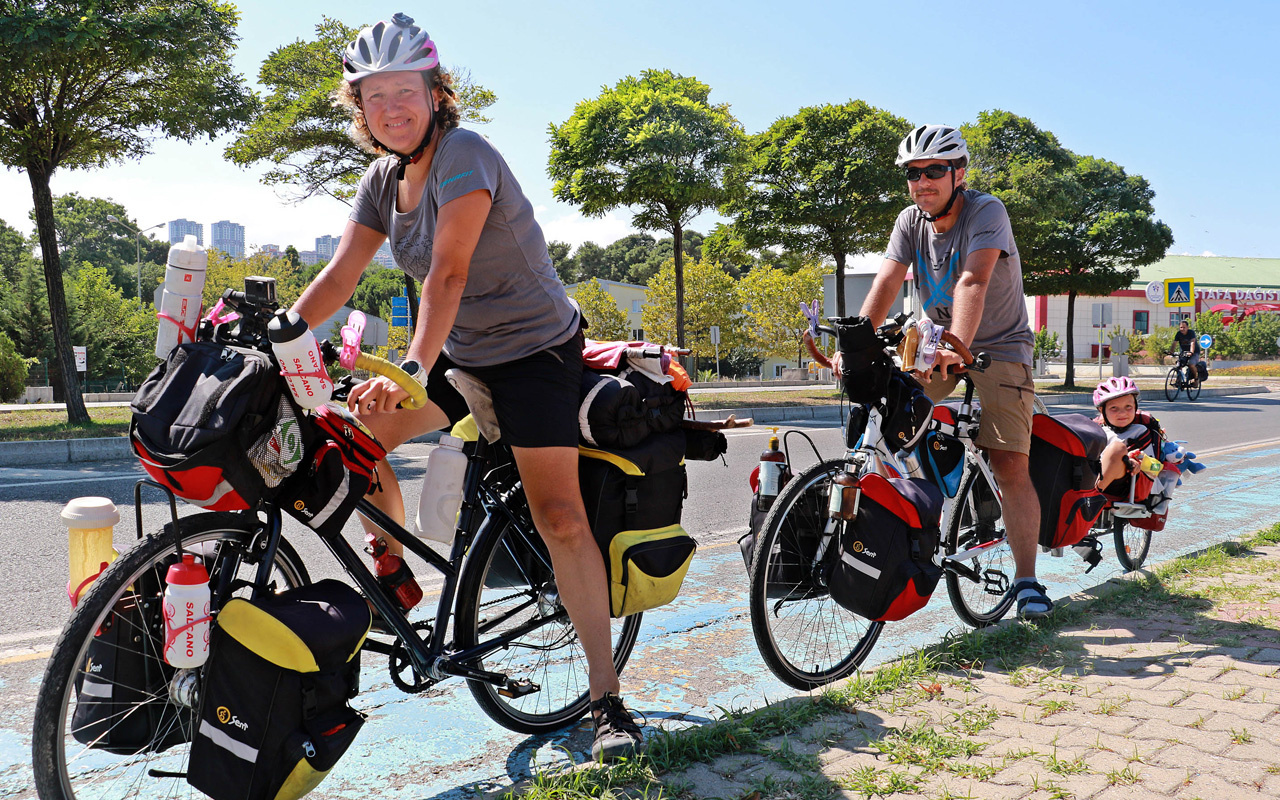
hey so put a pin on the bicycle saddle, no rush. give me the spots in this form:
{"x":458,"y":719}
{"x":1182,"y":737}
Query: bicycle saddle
{"x":479,"y":400}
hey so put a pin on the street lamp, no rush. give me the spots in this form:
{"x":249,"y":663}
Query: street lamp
{"x":138,"y":249}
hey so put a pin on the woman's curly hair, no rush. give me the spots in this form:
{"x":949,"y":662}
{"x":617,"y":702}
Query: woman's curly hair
{"x":347,"y":96}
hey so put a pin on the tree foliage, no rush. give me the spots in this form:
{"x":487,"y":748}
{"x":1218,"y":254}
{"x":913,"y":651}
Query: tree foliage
{"x":634,"y":258}
{"x":90,"y":82}
{"x":710,"y":299}
{"x":770,"y":299}
{"x":25,"y":313}
{"x":225,"y":272}
{"x":376,"y":288}
{"x":655,"y":144}
{"x":821,"y":182}
{"x":85,"y":234}
{"x":1082,"y":224}
{"x":605,"y":320}
{"x":120,"y":335}
{"x":302,"y":135}
{"x":13,"y":371}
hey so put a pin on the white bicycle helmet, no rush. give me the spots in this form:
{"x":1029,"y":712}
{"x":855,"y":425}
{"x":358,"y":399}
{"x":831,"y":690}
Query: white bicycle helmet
{"x":395,"y":46}
{"x":932,"y":141}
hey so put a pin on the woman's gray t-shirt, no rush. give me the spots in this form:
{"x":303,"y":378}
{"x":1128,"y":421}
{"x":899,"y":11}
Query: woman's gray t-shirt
{"x":513,"y":304}
{"x":938,"y":259}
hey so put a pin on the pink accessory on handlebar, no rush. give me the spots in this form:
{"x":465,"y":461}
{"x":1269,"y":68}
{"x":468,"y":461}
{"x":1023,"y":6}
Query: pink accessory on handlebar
{"x":351,"y":335}
{"x":216,"y":316}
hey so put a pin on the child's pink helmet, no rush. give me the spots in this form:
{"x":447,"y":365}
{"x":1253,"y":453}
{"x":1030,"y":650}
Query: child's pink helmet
{"x":1114,"y":387}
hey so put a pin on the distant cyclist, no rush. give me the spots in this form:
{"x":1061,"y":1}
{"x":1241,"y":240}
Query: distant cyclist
{"x":959,"y":246}
{"x":1186,"y":340}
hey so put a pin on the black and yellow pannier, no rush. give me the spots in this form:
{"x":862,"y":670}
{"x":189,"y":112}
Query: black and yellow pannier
{"x":634,"y":498}
{"x":274,"y":717}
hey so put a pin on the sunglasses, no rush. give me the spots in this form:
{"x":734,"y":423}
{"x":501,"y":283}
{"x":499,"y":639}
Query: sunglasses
{"x":933,"y":172}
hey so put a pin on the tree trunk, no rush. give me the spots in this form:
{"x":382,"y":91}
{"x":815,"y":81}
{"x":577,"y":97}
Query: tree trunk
{"x":677,"y":233}
{"x":64,"y":360}
{"x":839,"y":256}
{"x":1071,"y":341}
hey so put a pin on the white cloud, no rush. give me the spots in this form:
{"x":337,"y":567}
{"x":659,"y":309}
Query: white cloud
{"x":576,"y":229}
{"x":1209,"y":254}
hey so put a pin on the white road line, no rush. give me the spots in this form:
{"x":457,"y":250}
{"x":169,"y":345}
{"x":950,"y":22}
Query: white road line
{"x":134,"y":477}
{"x":10,"y":638}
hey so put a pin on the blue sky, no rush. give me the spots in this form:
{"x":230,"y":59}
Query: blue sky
{"x":1181,"y":93}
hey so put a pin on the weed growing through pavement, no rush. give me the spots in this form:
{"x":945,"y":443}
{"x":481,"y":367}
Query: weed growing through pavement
{"x":1235,"y":694}
{"x":1062,"y":766}
{"x":1241,"y":736}
{"x":1123,"y":777}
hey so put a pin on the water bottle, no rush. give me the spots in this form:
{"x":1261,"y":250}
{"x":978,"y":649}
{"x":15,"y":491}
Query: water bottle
{"x":89,"y":533}
{"x":180,"y":301}
{"x":773,"y":466}
{"x":393,"y":574}
{"x":296,"y":349}
{"x":186,"y":614}
{"x":441,"y":491}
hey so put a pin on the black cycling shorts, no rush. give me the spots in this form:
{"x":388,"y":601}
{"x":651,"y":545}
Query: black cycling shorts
{"x":535,"y":398}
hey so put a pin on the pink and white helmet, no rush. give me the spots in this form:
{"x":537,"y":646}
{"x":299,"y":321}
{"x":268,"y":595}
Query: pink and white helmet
{"x":1114,"y":387}
{"x":395,"y":46}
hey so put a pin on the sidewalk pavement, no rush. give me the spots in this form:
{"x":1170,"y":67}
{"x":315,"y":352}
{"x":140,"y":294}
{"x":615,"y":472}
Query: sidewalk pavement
{"x":1170,"y":693}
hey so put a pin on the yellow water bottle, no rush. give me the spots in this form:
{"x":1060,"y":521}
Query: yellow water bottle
{"x":90,"y":522}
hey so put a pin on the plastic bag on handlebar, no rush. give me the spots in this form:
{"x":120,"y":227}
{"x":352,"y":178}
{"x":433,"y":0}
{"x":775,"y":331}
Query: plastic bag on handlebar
{"x":865,"y":367}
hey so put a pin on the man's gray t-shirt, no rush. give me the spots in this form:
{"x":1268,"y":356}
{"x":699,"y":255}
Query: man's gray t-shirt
{"x":938,"y":260}
{"x":513,"y":305}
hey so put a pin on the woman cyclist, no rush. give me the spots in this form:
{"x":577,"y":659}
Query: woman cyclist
{"x":492,"y":305}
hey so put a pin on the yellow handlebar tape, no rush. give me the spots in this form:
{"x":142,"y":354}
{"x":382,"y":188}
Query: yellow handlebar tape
{"x":417,"y":395}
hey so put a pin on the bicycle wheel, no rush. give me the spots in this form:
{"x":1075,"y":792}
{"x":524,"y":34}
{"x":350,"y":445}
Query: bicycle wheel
{"x":66,"y":768}
{"x":1132,"y":544}
{"x":1172,"y":385}
{"x":975,"y":528}
{"x":805,"y":637}
{"x":508,"y":589}
{"x":1193,"y":387}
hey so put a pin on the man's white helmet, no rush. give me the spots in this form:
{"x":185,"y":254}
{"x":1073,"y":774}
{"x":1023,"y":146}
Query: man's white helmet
{"x":395,"y":46}
{"x":932,"y":141}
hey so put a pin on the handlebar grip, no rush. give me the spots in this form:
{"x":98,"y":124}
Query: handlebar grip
{"x":417,"y":395}
{"x":814,"y":351}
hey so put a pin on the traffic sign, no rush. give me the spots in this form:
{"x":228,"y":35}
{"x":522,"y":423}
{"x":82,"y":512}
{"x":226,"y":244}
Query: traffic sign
{"x":1180,"y":292}
{"x":1101,"y":315}
{"x":400,"y":312}
{"x":82,"y":358}
{"x":1155,"y":292}
{"x":715,"y":334}
{"x":1206,"y":341}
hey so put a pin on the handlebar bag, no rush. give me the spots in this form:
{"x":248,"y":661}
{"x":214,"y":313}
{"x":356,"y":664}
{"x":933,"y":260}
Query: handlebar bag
{"x":215,"y":425}
{"x":634,"y":499}
{"x":340,"y":467}
{"x":865,"y":367}
{"x":273,"y":716}
{"x":1065,"y":459}
{"x":884,"y":568}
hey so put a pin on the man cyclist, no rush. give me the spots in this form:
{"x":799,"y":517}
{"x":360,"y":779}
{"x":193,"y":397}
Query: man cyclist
{"x":968,"y":279}
{"x":1187,"y":341}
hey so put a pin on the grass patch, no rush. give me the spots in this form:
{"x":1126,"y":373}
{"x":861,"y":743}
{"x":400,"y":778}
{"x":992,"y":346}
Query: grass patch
{"x":51,"y":423}
{"x":1263,"y":369}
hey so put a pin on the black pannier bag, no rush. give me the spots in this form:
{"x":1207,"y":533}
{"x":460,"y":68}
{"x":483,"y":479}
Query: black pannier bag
{"x":274,"y":717}
{"x":792,"y":573}
{"x":941,"y":453}
{"x":214,"y":424}
{"x":864,"y":365}
{"x":122,"y":697}
{"x":885,"y":570}
{"x":1202,"y":371}
{"x":634,"y":498}
{"x":339,"y":468}
{"x":1065,"y":454}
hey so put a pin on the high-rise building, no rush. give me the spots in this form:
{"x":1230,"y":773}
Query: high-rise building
{"x":310,"y":257}
{"x":228,"y":237}
{"x":384,"y":257}
{"x":326,"y":246}
{"x":179,"y":228}
{"x":272,"y":250}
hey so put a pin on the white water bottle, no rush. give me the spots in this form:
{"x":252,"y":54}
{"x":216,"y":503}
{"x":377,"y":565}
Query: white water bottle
{"x":441,"y":491}
{"x":179,"y":310}
{"x":296,"y":349}
{"x":186,"y":614}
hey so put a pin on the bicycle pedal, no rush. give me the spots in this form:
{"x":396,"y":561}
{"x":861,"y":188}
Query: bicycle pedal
{"x":519,"y":688}
{"x":995,"y":582}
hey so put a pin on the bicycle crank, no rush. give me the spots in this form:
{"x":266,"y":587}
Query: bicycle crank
{"x":403,"y":673}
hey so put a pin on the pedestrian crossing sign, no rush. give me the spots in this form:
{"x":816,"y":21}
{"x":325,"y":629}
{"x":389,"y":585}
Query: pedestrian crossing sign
{"x":1180,"y":292}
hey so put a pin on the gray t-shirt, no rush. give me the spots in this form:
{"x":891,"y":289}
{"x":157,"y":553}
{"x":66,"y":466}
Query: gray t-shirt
{"x":938,"y":260}
{"x":514,"y":305}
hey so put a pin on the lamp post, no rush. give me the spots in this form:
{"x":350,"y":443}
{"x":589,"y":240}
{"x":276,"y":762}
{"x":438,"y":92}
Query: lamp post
{"x":138,"y":246}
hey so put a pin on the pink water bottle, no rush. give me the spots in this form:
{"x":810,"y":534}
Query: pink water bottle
{"x":186,"y":614}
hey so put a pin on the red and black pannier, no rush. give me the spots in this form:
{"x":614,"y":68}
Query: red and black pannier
{"x":340,"y":467}
{"x":1065,"y":461}
{"x":884,"y":568}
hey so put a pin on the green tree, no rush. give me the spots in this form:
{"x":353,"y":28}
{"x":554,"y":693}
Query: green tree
{"x":118,"y":334}
{"x":710,"y":300}
{"x":86,"y":234}
{"x":1256,"y":334}
{"x":605,"y":320}
{"x":653,"y":143}
{"x":15,"y":252}
{"x":561,"y":260}
{"x":13,"y":371}
{"x":821,"y":182}
{"x":300,"y":132}
{"x":225,"y":272}
{"x":770,"y":298}
{"x":376,"y":288}
{"x":26,"y":314}
{"x":91,"y":82}
{"x":1082,"y":224}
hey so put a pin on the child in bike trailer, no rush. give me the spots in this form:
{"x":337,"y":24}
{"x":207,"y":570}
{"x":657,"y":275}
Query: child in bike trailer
{"x":1135,"y":441}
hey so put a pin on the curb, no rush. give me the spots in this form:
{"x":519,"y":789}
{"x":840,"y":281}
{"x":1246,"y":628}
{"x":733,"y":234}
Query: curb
{"x":63,"y":451}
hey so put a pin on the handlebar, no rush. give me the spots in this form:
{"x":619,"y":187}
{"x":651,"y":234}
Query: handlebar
{"x":380,"y":366}
{"x":891,"y":333}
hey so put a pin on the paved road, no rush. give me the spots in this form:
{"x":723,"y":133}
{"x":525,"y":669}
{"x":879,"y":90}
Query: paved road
{"x":694,"y":656}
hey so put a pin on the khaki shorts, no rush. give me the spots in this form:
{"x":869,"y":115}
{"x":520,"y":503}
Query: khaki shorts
{"x":1005,"y":391}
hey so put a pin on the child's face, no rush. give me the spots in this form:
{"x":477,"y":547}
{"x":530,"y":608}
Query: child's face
{"x":1120,"y":411}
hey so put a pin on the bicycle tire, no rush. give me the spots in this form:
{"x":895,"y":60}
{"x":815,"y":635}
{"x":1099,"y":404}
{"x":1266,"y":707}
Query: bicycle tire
{"x":805,"y":637}
{"x":510,"y":579}
{"x":1133,"y":547}
{"x":55,"y":751}
{"x":1171,"y":385}
{"x":971,"y":524}
{"x":1193,"y":388}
